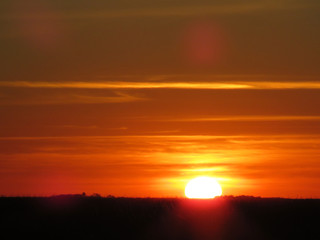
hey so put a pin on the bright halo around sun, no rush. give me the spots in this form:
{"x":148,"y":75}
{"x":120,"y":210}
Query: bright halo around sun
{"x":203,"y":187}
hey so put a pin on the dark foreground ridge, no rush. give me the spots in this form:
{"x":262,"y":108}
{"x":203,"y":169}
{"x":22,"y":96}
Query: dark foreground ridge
{"x":82,"y":217}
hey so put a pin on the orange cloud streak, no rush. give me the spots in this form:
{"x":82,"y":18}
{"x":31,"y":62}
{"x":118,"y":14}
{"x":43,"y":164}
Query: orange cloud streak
{"x":174,"y":85}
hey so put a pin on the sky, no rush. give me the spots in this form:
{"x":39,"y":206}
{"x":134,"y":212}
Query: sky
{"x":134,"y":98}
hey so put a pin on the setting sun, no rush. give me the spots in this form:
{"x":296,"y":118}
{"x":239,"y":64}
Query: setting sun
{"x":203,"y":187}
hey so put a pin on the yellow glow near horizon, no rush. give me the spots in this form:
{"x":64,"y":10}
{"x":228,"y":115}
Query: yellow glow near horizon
{"x":203,"y":188}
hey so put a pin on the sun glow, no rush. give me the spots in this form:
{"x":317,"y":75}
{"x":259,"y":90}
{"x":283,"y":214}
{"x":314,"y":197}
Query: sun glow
{"x":203,"y":187}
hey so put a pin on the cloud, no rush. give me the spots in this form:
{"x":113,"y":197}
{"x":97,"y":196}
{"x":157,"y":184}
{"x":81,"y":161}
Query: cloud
{"x":185,"y":8}
{"x":265,"y":85}
{"x":241,"y":118}
{"x":67,"y":98}
{"x":237,"y":161}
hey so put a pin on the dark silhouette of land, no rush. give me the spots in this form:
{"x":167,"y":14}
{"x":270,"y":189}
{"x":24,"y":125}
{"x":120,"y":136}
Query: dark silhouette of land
{"x":95,"y":217}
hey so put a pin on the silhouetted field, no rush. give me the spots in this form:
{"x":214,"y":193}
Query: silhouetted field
{"x":80,"y":217}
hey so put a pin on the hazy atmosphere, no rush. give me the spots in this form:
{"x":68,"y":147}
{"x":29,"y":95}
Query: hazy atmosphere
{"x":134,"y":98}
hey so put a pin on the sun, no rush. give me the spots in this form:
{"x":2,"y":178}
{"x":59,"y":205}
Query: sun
{"x":203,"y":187}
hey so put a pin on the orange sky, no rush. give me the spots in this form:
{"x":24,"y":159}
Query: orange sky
{"x":135,"y":98}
